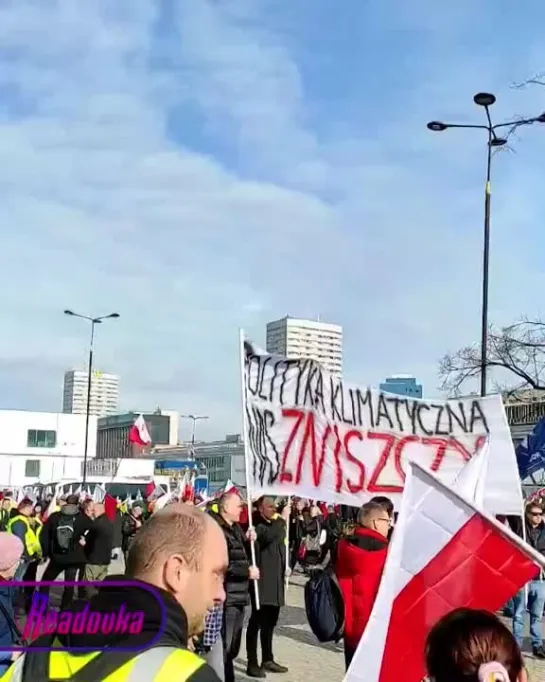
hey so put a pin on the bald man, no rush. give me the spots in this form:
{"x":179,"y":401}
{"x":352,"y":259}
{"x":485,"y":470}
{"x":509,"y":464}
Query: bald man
{"x":180,"y":557}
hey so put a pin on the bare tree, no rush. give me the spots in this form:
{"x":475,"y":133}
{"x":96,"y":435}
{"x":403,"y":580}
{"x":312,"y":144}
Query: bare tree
{"x":515,"y":356}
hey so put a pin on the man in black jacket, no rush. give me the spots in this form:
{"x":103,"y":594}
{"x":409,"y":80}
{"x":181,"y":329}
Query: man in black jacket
{"x":535,"y":536}
{"x":270,"y":546}
{"x":130,"y":524}
{"x":237,"y":578}
{"x":98,"y":548}
{"x":63,"y":542}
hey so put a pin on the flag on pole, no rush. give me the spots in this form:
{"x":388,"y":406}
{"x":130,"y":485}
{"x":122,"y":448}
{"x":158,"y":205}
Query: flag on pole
{"x":230,"y":487}
{"x":445,"y":554}
{"x":52,"y":507}
{"x":139,"y":433}
{"x":149,"y":490}
{"x":165,"y":499}
{"x":99,"y":493}
{"x":110,"y":506}
{"x":156,"y":493}
{"x":188,"y":492}
{"x":471,"y":481}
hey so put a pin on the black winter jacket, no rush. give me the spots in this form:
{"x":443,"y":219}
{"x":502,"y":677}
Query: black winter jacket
{"x":128,"y":531}
{"x":48,"y":538}
{"x":99,"y":542}
{"x":535,"y":537}
{"x":237,"y":579}
{"x":271,"y":559}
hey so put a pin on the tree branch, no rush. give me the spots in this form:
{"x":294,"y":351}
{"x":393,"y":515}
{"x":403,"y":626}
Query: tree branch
{"x":515,"y":356}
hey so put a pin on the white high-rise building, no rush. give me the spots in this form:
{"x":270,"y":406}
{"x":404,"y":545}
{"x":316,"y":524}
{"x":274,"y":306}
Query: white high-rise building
{"x":296,"y":338}
{"x":104,"y":393}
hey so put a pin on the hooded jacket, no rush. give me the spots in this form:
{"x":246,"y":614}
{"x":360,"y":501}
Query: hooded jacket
{"x":358,"y":567}
{"x":7,"y":618}
{"x":164,"y":624}
{"x":48,"y":537}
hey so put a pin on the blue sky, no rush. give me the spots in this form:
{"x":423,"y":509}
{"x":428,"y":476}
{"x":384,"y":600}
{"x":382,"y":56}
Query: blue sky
{"x":201,"y":165}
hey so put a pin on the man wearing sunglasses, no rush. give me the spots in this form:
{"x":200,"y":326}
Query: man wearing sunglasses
{"x":535,"y":536}
{"x":358,"y":566}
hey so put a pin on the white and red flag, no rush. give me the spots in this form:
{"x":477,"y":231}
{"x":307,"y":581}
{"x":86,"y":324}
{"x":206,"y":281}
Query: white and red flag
{"x":139,"y":433}
{"x":445,"y":554}
{"x":188,"y":492}
{"x":52,"y":507}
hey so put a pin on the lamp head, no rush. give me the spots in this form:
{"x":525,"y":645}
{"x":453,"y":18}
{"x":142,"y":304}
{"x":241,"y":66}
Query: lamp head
{"x":484,"y":99}
{"x":498,"y":142}
{"x":437,"y":126}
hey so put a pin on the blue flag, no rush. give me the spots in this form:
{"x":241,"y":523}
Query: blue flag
{"x":531,"y":451}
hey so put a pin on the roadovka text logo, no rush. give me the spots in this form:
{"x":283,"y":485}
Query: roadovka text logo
{"x":121,"y":621}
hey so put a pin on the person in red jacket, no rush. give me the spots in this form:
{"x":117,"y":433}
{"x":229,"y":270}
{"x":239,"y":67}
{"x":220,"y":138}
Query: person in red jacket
{"x":358,"y":567}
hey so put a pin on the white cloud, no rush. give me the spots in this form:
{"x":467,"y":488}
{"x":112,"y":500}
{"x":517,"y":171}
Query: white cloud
{"x":177,"y":169}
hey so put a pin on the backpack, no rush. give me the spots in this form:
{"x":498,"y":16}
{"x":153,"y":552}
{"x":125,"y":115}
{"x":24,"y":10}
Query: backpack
{"x":313,"y":543}
{"x":324,"y":605}
{"x":64,"y":534}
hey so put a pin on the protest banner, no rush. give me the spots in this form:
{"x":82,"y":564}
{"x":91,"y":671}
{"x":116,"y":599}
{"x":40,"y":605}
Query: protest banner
{"x":311,"y":435}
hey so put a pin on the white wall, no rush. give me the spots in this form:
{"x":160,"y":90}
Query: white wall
{"x":70,"y":429}
{"x":238,"y":470}
{"x":63,"y":460}
{"x":52,"y":469}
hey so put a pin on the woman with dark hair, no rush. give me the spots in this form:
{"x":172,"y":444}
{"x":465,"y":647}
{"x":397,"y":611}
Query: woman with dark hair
{"x":468,"y":645}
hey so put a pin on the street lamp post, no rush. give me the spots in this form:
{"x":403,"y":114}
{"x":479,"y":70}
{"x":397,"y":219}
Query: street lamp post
{"x":486,"y":100}
{"x":194,"y":418}
{"x":94,"y":321}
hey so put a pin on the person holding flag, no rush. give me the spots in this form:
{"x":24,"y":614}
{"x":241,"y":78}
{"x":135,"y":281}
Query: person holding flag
{"x":130,"y":525}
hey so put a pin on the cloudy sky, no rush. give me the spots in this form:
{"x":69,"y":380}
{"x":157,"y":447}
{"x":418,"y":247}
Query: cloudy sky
{"x":202,"y":165}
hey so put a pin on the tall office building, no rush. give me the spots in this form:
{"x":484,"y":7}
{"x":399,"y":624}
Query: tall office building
{"x":296,"y":338}
{"x":402,"y":384}
{"x":104,"y":393}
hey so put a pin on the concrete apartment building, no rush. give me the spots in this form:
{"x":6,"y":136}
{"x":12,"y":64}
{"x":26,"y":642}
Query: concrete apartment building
{"x":104,"y":393}
{"x":297,"y":338}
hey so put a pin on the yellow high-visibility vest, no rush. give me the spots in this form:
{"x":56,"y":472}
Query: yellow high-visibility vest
{"x":160,"y":664}
{"x":32,"y":542}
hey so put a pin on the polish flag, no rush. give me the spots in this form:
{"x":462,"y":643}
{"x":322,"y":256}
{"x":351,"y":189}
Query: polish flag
{"x":230,"y":487}
{"x":189,"y":489}
{"x":110,"y":506}
{"x":99,"y":493}
{"x":445,"y":554}
{"x":51,"y":508}
{"x":165,"y":499}
{"x":149,"y":490}
{"x":139,"y":433}
{"x":155,"y":494}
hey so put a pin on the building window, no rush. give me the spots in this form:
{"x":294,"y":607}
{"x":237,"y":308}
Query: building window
{"x":41,"y":439}
{"x":32,"y":468}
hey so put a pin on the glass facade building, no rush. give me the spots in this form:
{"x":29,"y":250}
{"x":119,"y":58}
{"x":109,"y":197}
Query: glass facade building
{"x":403,"y":385}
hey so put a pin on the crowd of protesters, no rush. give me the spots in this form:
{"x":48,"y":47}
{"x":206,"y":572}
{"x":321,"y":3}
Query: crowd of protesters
{"x":202,"y":563}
